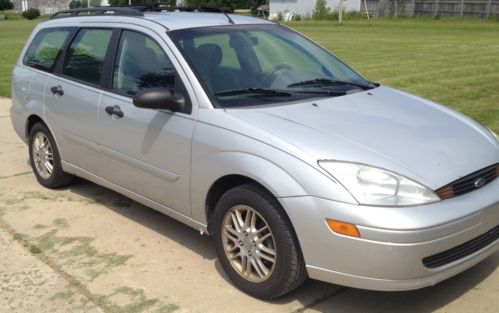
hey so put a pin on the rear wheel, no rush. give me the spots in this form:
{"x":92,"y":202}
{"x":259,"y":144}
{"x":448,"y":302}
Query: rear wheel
{"x":256,"y":244}
{"x":45,"y":159}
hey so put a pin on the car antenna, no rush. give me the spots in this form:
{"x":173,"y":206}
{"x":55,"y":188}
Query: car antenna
{"x":217,"y":9}
{"x":227,"y":16}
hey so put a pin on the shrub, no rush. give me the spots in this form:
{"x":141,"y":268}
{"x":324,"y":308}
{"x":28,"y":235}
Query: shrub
{"x":6,"y":5}
{"x":31,"y":13}
{"x":353,"y":15}
{"x":11,"y":15}
{"x":280,"y":17}
{"x":321,"y":10}
{"x":75,"y":4}
{"x":333,"y":15}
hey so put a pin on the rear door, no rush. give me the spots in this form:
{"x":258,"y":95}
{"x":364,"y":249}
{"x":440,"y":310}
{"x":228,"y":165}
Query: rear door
{"x":72,"y":96}
{"x":40,"y":58}
{"x":146,"y":151}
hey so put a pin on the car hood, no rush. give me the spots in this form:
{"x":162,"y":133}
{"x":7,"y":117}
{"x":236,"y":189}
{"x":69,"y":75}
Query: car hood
{"x":382,"y":127}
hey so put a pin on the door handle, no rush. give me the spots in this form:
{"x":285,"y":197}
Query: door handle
{"x":115,"y":110}
{"x":57,"y":90}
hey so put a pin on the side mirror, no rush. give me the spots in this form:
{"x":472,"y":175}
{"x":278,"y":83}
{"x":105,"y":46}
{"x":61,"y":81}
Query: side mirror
{"x":159,"y":98}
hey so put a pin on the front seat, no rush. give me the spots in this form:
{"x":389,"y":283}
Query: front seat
{"x":207,"y":60}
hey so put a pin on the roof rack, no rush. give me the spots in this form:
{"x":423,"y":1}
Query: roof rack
{"x":137,"y":10}
{"x":158,"y":7}
{"x":121,"y":11}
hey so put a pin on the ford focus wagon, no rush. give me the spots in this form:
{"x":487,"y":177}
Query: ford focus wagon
{"x":248,"y":131}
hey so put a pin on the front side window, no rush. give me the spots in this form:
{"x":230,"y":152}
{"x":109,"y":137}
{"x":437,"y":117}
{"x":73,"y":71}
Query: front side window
{"x":142,"y":64}
{"x":45,"y":48}
{"x":85,"y":59}
{"x":241,"y":65}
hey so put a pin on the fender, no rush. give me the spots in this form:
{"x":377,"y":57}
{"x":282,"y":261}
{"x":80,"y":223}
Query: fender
{"x":305,"y":180}
{"x":27,"y":98}
{"x":206,"y":171}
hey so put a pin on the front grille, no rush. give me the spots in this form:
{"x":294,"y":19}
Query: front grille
{"x":469,"y":182}
{"x":462,"y":250}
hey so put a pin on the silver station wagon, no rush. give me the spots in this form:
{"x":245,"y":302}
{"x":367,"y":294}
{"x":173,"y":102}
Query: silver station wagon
{"x":247,"y":131}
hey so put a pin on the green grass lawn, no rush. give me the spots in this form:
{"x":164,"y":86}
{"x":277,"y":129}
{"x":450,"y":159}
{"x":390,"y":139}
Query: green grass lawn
{"x":454,"y":62}
{"x":13,"y":35}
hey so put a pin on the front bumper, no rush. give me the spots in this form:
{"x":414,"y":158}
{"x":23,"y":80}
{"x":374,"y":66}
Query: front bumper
{"x":394,"y":241}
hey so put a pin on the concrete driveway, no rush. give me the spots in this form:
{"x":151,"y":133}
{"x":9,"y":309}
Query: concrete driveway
{"x":89,"y":249}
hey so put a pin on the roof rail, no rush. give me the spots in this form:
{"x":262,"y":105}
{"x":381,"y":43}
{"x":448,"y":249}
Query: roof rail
{"x":137,"y":10}
{"x":159,"y":6}
{"x":121,"y":11}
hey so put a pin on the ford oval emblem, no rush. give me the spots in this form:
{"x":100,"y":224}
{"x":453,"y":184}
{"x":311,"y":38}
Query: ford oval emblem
{"x":479,"y":182}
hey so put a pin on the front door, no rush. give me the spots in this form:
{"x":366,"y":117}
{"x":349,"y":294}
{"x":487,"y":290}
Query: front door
{"x":146,"y":151}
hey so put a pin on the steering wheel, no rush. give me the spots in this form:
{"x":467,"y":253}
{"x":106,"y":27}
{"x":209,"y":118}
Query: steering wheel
{"x":270,"y":75}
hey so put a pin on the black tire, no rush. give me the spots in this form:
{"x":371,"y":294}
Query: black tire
{"x":57,"y":178}
{"x":289,"y":268}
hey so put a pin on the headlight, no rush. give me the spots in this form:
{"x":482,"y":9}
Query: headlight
{"x":374,"y":186}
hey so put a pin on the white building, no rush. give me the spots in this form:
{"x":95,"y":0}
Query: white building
{"x":306,"y":7}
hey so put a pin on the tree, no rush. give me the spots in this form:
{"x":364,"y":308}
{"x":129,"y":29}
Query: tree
{"x":321,"y":10}
{"x":6,"y":5}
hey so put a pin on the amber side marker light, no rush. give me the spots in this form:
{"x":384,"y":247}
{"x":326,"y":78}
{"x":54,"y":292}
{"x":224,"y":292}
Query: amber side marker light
{"x":343,"y":228}
{"x":446,"y":192}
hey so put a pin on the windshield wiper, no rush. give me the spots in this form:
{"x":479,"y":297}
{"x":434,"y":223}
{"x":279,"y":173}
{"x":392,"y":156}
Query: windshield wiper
{"x":327,"y":82}
{"x":262,"y":91}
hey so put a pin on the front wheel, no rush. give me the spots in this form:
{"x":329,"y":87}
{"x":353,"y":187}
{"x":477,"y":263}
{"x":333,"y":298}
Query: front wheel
{"x":256,"y":244}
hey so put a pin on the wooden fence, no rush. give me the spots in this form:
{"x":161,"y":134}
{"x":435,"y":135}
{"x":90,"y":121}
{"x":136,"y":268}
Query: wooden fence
{"x":435,"y":8}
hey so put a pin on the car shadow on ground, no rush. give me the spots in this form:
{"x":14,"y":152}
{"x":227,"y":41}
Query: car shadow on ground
{"x":423,"y":300}
{"x":321,"y":296}
{"x":154,"y":220}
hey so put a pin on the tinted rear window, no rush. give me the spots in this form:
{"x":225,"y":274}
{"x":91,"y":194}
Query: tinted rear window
{"x":85,"y":59}
{"x":45,"y":48}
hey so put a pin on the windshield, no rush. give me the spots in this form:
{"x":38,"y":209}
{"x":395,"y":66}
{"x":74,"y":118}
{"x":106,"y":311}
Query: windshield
{"x":241,"y":65}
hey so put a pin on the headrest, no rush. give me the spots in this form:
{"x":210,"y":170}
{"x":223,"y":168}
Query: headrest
{"x":210,"y":53}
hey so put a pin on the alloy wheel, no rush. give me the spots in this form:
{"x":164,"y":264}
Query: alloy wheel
{"x":249,"y":244}
{"x":43,"y":156}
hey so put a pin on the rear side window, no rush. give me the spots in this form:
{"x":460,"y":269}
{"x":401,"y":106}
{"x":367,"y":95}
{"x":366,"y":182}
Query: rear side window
{"x":45,"y":48}
{"x":85,"y":59}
